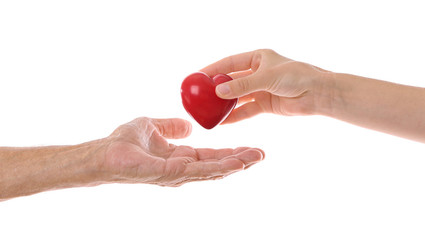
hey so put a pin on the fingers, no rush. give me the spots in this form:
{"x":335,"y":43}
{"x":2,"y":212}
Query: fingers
{"x":242,"y":86}
{"x":213,"y":168}
{"x":243,"y":112}
{"x":246,"y":99}
{"x":249,"y":157}
{"x":230,"y":64}
{"x":204,"y":154}
{"x":240,"y":74}
{"x":230,"y":164}
{"x":245,"y":154}
{"x":242,"y":66}
{"x":172,"y":128}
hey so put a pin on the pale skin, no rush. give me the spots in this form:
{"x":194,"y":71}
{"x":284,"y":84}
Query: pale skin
{"x":266,"y":82}
{"x":136,"y":152}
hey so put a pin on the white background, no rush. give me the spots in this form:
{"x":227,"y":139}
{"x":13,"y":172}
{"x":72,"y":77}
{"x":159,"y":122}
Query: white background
{"x":72,"y":71}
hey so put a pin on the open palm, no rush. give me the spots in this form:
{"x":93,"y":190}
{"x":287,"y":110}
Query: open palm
{"x":138,"y":152}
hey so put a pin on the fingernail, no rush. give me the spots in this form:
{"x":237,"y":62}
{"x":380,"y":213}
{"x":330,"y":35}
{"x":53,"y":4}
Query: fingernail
{"x":223,"y":89}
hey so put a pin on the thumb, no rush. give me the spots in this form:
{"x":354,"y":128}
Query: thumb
{"x":173,"y":128}
{"x":240,"y":87}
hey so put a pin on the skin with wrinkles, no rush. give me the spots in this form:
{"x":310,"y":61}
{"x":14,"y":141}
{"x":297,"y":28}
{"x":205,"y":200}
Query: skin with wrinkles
{"x":264,"y":81}
{"x":136,"y":152}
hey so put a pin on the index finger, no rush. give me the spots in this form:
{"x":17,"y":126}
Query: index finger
{"x":238,"y":62}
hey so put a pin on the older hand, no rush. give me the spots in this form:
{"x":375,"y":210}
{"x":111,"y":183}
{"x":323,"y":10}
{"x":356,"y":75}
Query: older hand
{"x":138,"y":152}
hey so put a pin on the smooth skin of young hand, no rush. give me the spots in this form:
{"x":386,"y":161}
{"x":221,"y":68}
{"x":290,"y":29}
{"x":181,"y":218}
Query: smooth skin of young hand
{"x":136,"y":152}
{"x":266,"y":82}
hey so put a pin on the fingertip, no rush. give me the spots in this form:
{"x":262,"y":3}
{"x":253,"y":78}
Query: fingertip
{"x":252,"y":155}
{"x":263,"y":154}
{"x":187,"y":127}
{"x":173,"y":128}
{"x":223,"y":91}
{"x":234,"y":165}
{"x":229,"y":119}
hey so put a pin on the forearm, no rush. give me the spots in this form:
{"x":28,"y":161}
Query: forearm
{"x":25,"y":171}
{"x":383,"y":106}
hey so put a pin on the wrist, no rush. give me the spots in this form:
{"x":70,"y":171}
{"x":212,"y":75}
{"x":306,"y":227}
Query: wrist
{"x":75,"y":166}
{"x":325,"y":92}
{"x":89,"y":159}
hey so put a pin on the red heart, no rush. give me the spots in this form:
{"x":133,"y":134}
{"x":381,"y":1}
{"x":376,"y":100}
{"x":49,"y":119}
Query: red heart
{"x":201,"y":102}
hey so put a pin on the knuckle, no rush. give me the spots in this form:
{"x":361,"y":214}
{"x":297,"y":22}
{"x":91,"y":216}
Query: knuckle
{"x":141,"y":120}
{"x":266,"y":51}
{"x":260,"y":56}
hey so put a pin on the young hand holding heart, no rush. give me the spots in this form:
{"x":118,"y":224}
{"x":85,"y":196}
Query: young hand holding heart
{"x":266,"y":82}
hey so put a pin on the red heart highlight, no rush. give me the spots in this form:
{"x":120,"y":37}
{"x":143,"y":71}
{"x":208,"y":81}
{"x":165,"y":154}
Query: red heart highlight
{"x":201,"y":102}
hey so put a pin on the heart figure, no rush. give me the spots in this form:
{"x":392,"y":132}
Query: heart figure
{"x":201,"y":102}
